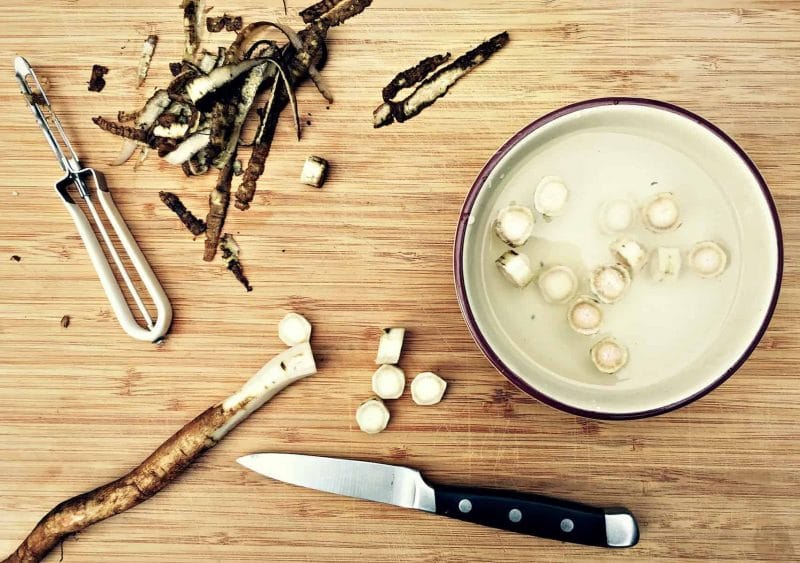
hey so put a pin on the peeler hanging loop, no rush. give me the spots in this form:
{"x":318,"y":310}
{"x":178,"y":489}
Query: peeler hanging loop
{"x":90,"y":186}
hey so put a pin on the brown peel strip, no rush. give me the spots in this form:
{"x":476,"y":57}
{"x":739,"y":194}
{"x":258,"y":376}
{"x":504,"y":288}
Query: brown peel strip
{"x":343,"y":11}
{"x":196,"y":226}
{"x":316,"y":10}
{"x":143,"y":118}
{"x":96,"y":81}
{"x":263,"y":141}
{"x":437,"y":85}
{"x":313,"y":72}
{"x":193,"y":12}
{"x":413,"y":75}
{"x":218,"y":201}
{"x":249,"y":35}
{"x":247,"y":95}
{"x":225,"y":21}
{"x":134,"y":133}
{"x":230,"y":254}
{"x":148,"y":49}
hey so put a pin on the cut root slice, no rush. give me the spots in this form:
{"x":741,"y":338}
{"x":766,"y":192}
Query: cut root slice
{"x":661,"y":214}
{"x":427,"y":388}
{"x":609,"y":283}
{"x":585,"y":316}
{"x":609,"y":356}
{"x":558,"y":284}
{"x":616,"y":216}
{"x":550,"y":197}
{"x":388,"y":382}
{"x":372,"y":416}
{"x":707,"y":259}
{"x":294,"y":329}
{"x":390,"y":345}
{"x":514,"y":225}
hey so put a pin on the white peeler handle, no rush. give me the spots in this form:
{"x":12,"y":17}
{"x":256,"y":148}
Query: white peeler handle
{"x":110,"y":285}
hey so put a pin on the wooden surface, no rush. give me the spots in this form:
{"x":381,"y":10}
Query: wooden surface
{"x":80,"y":406}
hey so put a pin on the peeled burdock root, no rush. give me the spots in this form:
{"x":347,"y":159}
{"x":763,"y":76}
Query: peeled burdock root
{"x":661,"y":214}
{"x":585,"y":316}
{"x":427,"y":388}
{"x":609,"y":283}
{"x":707,"y":259}
{"x":514,"y":225}
{"x":665,"y":263}
{"x":388,"y":382}
{"x":169,"y":460}
{"x":550,"y":196}
{"x":558,"y":284}
{"x":372,"y":416}
{"x":516,"y":268}
{"x":609,"y":356}
{"x":630,"y":253}
{"x":616,"y":216}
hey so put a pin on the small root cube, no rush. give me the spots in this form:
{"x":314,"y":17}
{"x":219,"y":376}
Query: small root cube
{"x":516,"y":268}
{"x":390,"y":345}
{"x":315,"y":170}
{"x":630,"y":253}
{"x":665,"y":263}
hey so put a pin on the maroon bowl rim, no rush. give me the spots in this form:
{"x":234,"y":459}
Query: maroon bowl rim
{"x":477,"y":186}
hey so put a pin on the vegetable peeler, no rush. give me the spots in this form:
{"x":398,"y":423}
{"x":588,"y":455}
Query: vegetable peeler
{"x":80,"y":178}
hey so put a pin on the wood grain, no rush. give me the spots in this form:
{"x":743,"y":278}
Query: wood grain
{"x":79,"y":406}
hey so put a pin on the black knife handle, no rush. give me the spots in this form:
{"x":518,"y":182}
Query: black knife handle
{"x":538,"y":516}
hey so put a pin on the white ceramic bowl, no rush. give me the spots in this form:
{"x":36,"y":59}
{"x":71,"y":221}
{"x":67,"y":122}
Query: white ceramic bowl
{"x":686,"y":336}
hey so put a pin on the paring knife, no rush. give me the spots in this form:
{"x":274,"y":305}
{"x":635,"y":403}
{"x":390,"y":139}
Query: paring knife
{"x":402,"y":486}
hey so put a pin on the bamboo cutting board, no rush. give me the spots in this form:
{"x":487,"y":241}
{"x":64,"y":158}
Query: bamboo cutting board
{"x":80,"y":406}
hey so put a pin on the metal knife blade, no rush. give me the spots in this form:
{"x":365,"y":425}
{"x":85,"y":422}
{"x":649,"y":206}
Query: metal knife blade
{"x":519,"y":512}
{"x":391,"y":484}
